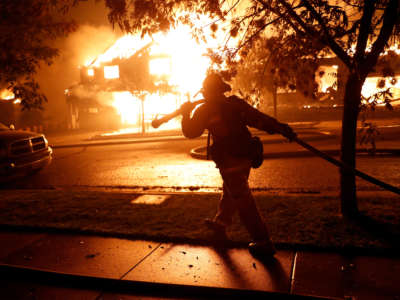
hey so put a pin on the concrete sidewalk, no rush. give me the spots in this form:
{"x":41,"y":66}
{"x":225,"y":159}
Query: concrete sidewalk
{"x":58,"y":266}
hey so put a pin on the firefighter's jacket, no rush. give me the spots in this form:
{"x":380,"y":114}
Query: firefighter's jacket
{"x":227,"y":120}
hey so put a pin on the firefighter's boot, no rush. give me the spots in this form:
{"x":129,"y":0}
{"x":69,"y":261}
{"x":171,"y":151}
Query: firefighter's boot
{"x":218,"y":229}
{"x":263,"y":249}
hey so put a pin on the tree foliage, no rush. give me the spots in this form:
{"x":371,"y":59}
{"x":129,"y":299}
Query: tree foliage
{"x":260,"y":73}
{"x":295,"y":33}
{"x":27,"y":30}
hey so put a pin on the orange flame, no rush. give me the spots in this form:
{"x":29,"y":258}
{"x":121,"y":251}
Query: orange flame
{"x":177,"y":58}
{"x":6,"y":95}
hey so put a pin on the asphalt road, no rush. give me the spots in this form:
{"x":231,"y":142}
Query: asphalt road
{"x":168,"y":166}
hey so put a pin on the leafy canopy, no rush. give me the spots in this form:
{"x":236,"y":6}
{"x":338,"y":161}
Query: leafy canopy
{"x":27,"y":29}
{"x":355,"y":31}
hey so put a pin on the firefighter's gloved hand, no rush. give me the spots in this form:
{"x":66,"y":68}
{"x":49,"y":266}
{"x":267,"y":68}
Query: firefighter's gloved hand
{"x":187,"y":107}
{"x":287,"y":131}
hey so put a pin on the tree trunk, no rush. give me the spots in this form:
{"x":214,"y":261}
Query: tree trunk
{"x":142,"y":117}
{"x":275,"y":97}
{"x":351,"y":103}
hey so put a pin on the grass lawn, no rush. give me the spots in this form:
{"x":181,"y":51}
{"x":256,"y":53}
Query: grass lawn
{"x":301,"y":221}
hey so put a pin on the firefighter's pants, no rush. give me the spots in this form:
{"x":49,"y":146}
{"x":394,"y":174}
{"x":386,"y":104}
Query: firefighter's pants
{"x":237,"y":196}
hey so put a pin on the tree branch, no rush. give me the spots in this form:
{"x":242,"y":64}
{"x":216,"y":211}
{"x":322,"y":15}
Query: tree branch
{"x":283,"y":16}
{"x":350,"y":31}
{"x":247,"y":29}
{"x":240,"y":21}
{"x":327,"y":38}
{"x":255,"y":34}
{"x":390,"y":16}
{"x":232,"y":7}
{"x":365,"y":26}
{"x":225,"y":14}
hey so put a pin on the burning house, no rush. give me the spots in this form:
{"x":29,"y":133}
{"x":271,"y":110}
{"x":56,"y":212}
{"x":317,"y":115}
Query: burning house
{"x":331,"y":73}
{"x":134,"y":81}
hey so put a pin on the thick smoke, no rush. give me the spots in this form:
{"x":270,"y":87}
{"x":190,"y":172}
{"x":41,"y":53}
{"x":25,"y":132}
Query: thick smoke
{"x":102,"y":97}
{"x":94,"y":35}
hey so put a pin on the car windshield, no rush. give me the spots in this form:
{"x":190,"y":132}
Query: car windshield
{"x":3,"y":127}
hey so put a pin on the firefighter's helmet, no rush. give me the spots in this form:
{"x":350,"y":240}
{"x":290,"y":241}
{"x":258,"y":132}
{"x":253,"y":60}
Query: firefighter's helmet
{"x":214,"y":83}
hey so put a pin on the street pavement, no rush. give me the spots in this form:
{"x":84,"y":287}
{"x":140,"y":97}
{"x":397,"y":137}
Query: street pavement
{"x":37,"y":265}
{"x":309,"y":131}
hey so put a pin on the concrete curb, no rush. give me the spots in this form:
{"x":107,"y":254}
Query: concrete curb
{"x":136,"y":140}
{"x":139,"y":287}
{"x":112,"y":143}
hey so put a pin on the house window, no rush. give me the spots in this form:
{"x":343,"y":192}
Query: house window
{"x":111,"y":72}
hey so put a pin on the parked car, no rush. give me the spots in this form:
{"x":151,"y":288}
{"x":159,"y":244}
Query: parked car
{"x":22,"y":153}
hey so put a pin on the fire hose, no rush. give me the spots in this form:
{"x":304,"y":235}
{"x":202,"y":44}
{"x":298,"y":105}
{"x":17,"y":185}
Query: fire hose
{"x":347,"y":167}
{"x":157,"y":122}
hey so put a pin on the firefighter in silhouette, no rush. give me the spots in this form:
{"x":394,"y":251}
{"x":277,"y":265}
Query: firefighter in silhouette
{"x":235,"y":151}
